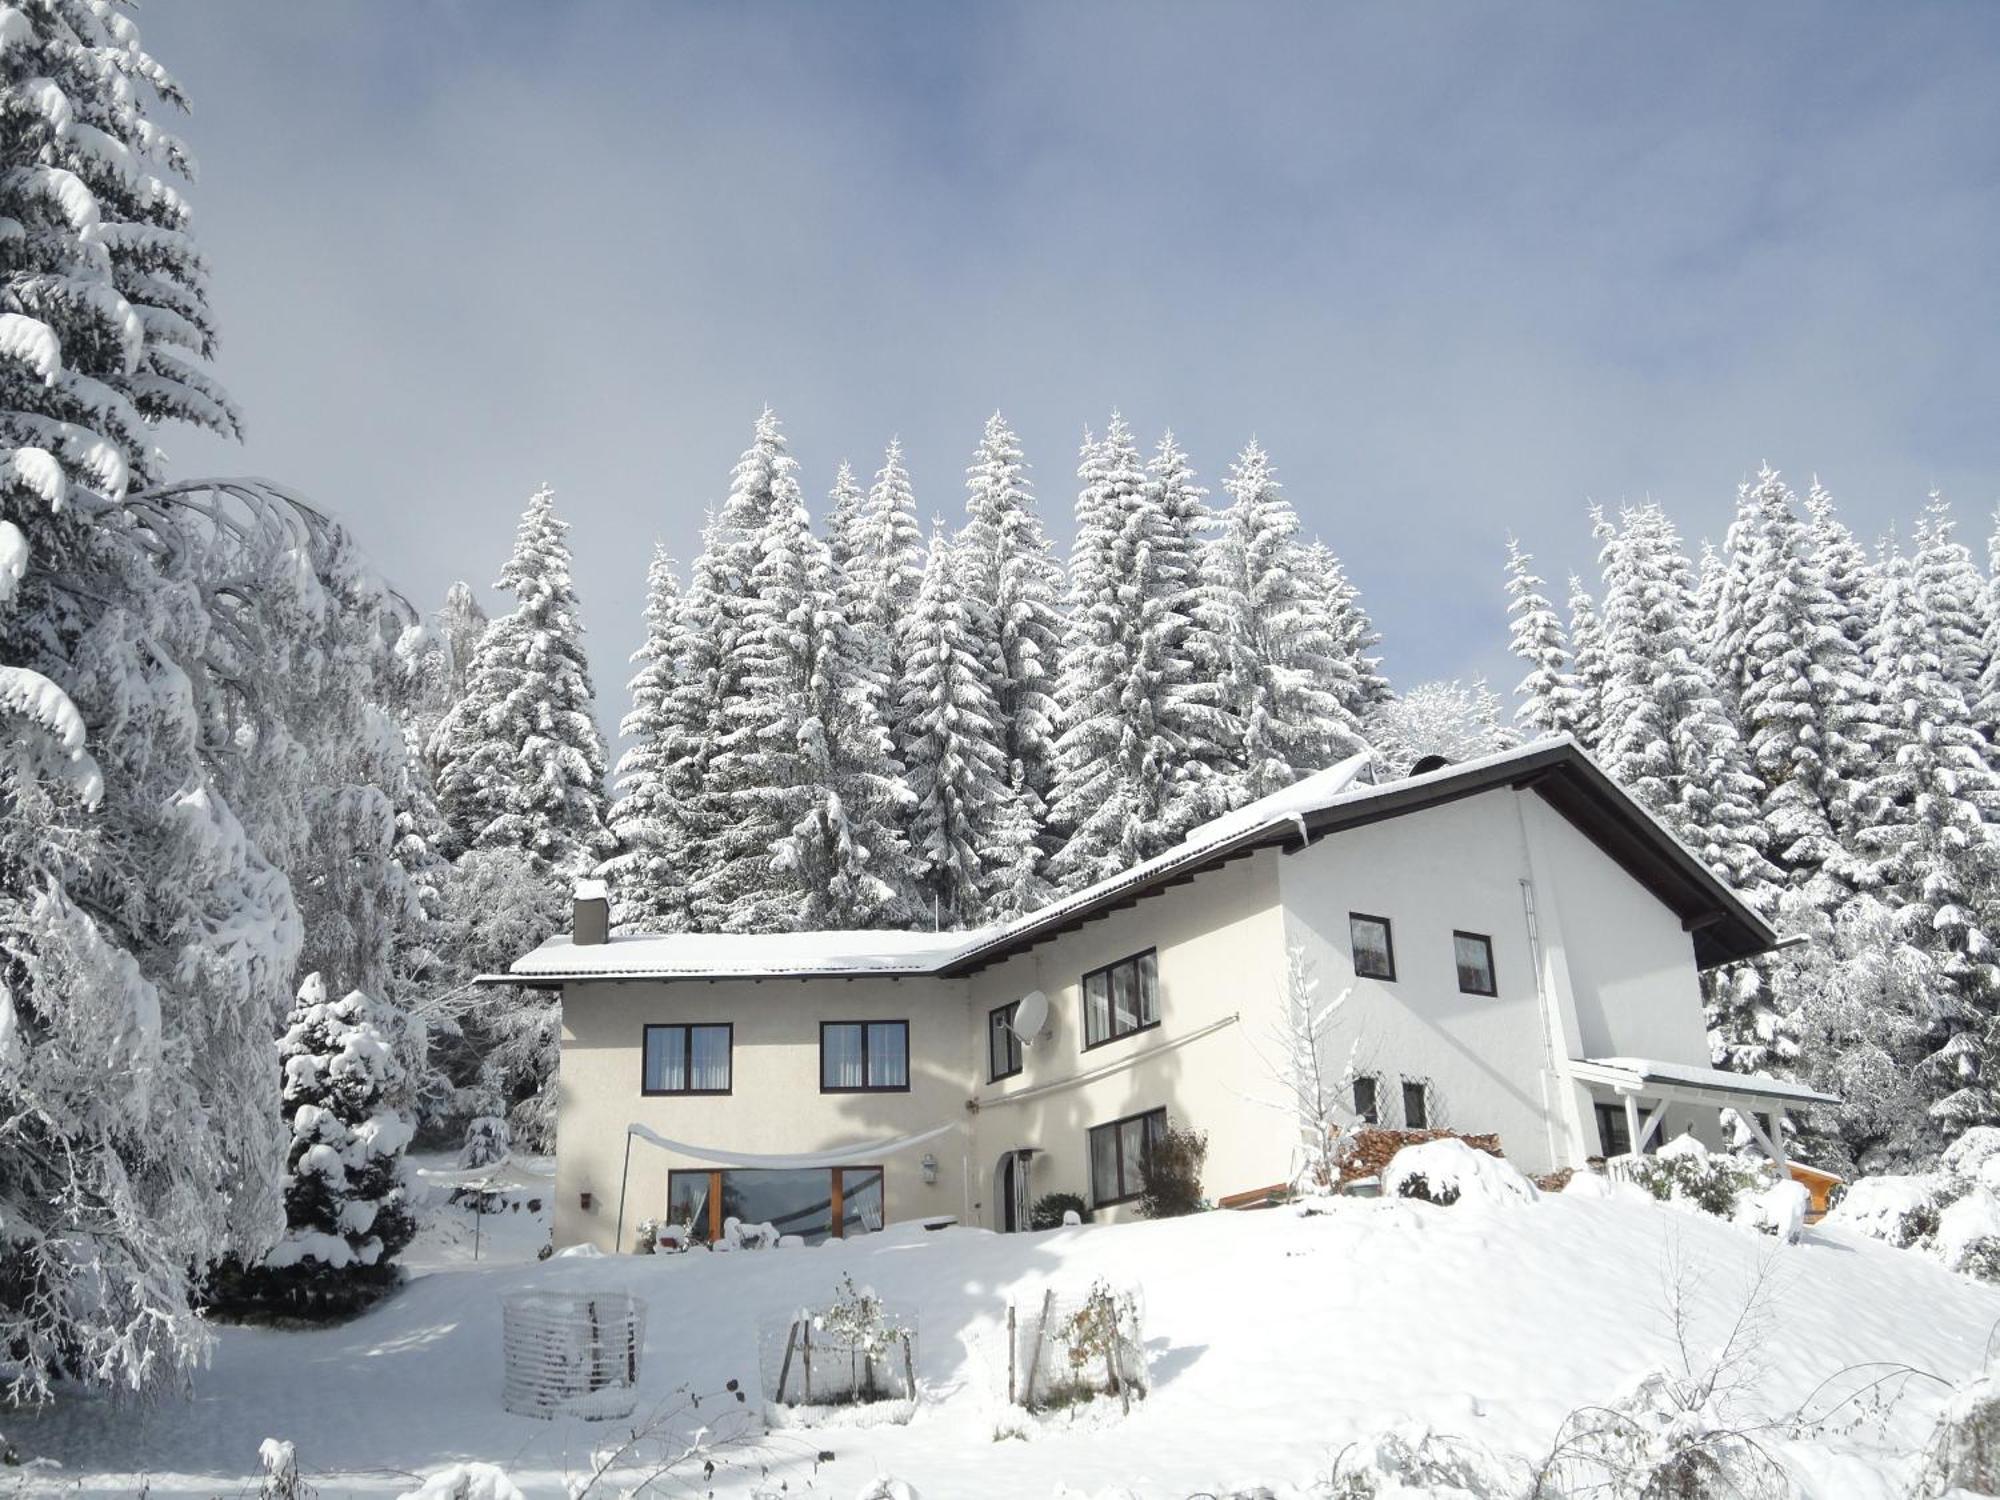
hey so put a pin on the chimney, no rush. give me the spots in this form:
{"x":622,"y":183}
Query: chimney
{"x":591,"y":918}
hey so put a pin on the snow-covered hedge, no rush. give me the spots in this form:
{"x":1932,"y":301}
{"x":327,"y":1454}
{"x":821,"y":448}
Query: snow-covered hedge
{"x":1952,"y":1213}
{"x":1449,"y":1171}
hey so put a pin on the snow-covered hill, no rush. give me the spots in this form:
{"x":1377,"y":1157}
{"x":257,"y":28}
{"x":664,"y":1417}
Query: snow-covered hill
{"x":1276,"y":1341}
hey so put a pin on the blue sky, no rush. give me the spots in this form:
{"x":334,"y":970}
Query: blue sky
{"x":1461,"y":268}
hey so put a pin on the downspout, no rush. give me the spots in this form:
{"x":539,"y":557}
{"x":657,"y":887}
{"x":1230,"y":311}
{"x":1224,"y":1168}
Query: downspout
{"x":1542,"y":1005}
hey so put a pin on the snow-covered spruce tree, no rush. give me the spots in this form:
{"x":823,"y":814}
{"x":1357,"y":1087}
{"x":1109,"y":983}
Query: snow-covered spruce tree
{"x":1551,"y":699}
{"x":1586,"y":639}
{"x":804,"y":762}
{"x":1118,"y":751}
{"x":881,"y":584}
{"x":1340,"y":600}
{"x":437,"y":662}
{"x":649,"y":873}
{"x":1986,"y":706}
{"x":957,"y":766}
{"x":1668,"y":740}
{"x":524,"y":767}
{"x":1010,"y":563}
{"x":1924,"y":846}
{"x":1287,"y":682}
{"x":1460,"y":721}
{"x":346,"y":1217}
{"x":1178,"y":625}
{"x":1799,"y":684}
{"x":1952,"y":590}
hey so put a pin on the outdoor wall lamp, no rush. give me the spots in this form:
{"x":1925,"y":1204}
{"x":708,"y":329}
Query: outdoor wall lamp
{"x":929,"y":1168}
{"x":583,"y":1200}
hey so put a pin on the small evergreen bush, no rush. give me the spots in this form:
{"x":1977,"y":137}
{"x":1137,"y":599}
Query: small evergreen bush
{"x":1050,"y":1207}
{"x":1171,"y":1174}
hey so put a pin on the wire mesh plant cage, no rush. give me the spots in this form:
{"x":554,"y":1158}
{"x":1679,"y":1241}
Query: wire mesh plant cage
{"x":1067,"y":1349}
{"x":853,"y":1354}
{"x":571,"y":1354}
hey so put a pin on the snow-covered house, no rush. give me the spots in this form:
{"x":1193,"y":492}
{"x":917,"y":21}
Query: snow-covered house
{"x":1519,"y":942}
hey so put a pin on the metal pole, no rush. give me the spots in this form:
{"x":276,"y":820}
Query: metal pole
{"x":624,"y":1172}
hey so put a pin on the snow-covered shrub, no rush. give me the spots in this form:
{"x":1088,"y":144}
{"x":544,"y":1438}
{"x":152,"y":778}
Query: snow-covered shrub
{"x":851,"y":1352}
{"x":1665,"y":1439}
{"x":1413,"y":1460}
{"x":1067,"y":1352}
{"x":1963,"y":1454}
{"x":466,"y":1481}
{"x":1778,"y":1210}
{"x":346,"y":1216}
{"x":281,"y":1480}
{"x":1952,"y":1214}
{"x":487,"y":1142}
{"x":1685,"y":1171}
{"x":1446,"y":1171}
{"x":1051,"y":1208}
{"x":1170,"y":1174}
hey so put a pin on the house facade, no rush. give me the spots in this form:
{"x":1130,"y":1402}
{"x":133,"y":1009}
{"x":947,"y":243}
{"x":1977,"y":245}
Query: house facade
{"x":1514,"y":947}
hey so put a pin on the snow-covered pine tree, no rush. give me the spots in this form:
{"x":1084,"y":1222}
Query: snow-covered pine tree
{"x":882,"y":580}
{"x":958,"y":770}
{"x":1800,"y":687}
{"x":1586,"y":640}
{"x":1008,"y":561}
{"x":1459,"y":721}
{"x":437,"y":661}
{"x":846,"y":511}
{"x":346,"y":1213}
{"x":1986,"y":707}
{"x":1952,"y":589}
{"x":1287,"y":682}
{"x":524,"y":769}
{"x":1551,"y":699}
{"x":1341,"y":601}
{"x":1923,"y":844}
{"x":804,"y":763}
{"x":649,"y":874}
{"x":1119,"y":749}
{"x":1668,"y":740}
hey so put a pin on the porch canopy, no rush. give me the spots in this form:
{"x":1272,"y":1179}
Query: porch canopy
{"x":1752,"y":1096}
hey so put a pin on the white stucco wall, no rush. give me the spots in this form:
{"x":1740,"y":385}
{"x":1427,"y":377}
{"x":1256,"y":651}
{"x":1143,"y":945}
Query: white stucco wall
{"x":1220,"y":957}
{"x":776,"y":1106}
{"x":1616,"y":976}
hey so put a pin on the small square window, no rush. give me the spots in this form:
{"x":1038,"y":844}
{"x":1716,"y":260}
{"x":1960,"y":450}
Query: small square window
{"x":1120,"y":999}
{"x":1366,"y":1109}
{"x":864,"y":1057}
{"x":687,"y":1059}
{"x":1474,"y":954}
{"x":1374,"y":950}
{"x":1416,"y":1105}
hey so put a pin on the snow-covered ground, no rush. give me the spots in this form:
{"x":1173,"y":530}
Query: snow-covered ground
{"x":1275,"y":1341}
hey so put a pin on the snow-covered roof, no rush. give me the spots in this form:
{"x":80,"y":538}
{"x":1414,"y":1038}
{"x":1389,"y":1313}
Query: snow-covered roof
{"x":1316,"y":804}
{"x":746,"y":955}
{"x":1638,"y":1072}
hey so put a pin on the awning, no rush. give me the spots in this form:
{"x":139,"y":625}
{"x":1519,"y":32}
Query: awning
{"x":1686,"y":1082}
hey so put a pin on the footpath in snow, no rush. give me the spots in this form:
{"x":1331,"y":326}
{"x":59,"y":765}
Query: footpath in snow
{"x":1275,"y":1341}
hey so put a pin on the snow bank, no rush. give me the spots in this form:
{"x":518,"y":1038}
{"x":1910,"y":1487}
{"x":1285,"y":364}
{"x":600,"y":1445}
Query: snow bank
{"x":473,"y":1481}
{"x":1449,"y":1171}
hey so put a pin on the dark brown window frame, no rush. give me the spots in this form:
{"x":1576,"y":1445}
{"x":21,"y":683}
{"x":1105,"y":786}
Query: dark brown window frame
{"x":866,"y":1087}
{"x":1354,"y":954}
{"x":688,"y":1028}
{"x":1118,"y":1144}
{"x":1373,"y":1114}
{"x":1014,"y":1047}
{"x":1492,"y":969}
{"x":1423,"y":1090}
{"x":1111,"y":1010}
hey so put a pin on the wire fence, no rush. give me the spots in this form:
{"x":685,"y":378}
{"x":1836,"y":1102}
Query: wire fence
{"x":1067,"y":1348}
{"x":571,"y":1355}
{"x":802,"y":1362}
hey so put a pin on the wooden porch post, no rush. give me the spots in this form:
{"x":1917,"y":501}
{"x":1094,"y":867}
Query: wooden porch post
{"x":1632,"y":1127}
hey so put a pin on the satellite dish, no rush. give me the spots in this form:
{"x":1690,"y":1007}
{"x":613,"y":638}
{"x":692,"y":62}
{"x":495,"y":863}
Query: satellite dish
{"x":1030,"y":1016}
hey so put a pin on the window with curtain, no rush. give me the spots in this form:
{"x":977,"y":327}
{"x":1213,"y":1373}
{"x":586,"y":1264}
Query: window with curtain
{"x":1121,"y":998}
{"x":1473,"y":952}
{"x":1117,"y":1152}
{"x":859,"y":1057}
{"x":687,"y":1059}
{"x":1374,"y":949}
